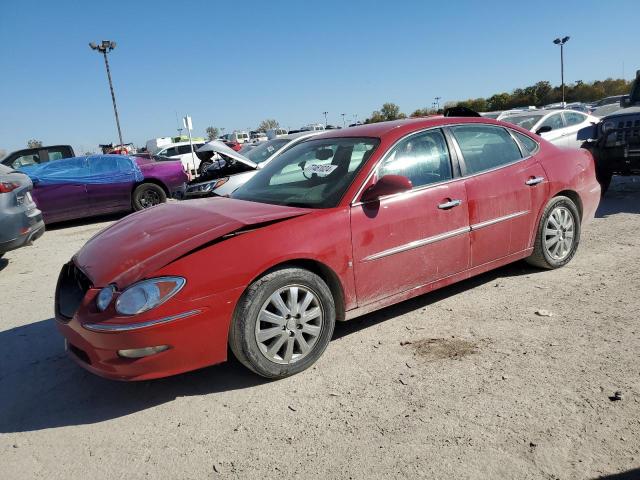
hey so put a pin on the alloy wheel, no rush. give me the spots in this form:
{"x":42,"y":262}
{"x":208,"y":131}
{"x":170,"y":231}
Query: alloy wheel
{"x":289,"y":324}
{"x":559,"y":233}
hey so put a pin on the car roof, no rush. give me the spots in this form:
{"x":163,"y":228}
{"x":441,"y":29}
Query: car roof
{"x":396,"y":129}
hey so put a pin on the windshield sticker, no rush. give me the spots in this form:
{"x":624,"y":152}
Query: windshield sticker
{"x":270,"y":149}
{"x":320,"y":170}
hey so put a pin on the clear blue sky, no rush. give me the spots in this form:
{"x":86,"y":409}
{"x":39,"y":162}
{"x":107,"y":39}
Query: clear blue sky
{"x":231,"y":64}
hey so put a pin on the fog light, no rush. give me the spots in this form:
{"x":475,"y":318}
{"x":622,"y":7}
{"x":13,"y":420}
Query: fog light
{"x":142,"y":352}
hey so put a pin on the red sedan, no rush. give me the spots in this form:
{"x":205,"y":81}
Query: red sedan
{"x":340,"y":225}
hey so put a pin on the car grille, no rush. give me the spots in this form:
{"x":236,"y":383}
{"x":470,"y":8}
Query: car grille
{"x":628,"y":132}
{"x":71,"y":289}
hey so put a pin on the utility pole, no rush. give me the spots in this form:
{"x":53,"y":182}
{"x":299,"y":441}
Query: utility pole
{"x":437,"y":102}
{"x":343,"y":123}
{"x":325,"y":119}
{"x":105,"y":47}
{"x":561,"y":42}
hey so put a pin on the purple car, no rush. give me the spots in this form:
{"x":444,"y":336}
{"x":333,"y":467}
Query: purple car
{"x":86,"y":186}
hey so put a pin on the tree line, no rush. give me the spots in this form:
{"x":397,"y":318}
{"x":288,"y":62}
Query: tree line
{"x":538,"y":95}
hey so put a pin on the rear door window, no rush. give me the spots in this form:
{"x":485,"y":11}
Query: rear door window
{"x":530,"y":147}
{"x":25,"y":161}
{"x":574,"y":118}
{"x":485,"y":147}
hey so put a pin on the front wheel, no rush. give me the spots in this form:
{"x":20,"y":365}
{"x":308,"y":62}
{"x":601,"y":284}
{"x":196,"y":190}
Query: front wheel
{"x":283,"y":323}
{"x":148,"y":195}
{"x":558,"y":234}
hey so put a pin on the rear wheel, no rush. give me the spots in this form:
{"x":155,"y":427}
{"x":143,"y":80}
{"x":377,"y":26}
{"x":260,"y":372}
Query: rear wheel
{"x":283,"y":323}
{"x":558,"y":234}
{"x":148,"y":195}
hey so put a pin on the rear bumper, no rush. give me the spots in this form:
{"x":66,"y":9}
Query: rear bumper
{"x":21,"y":229}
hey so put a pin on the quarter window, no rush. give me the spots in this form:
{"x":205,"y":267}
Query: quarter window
{"x":25,"y":161}
{"x":527,"y":143}
{"x":485,"y":147}
{"x":422,"y":158}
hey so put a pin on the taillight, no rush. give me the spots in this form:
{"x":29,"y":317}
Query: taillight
{"x":6,"y":187}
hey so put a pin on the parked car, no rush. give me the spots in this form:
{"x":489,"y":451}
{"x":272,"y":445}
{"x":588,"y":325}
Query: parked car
{"x":615,"y":141}
{"x":258,"y":137}
{"x":87,"y":186}
{"x":35,"y":156}
{"x":20,"y":220}
{"x":559,"y":127}
{"x":182,"y":151}
{"x":234,"y":168}
{"x":276,"y":132}
{"x":239,"y":137}
{"x":339,"y":225}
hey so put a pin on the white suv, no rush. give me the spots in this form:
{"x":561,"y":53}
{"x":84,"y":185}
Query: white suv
{"x":182,"y":151}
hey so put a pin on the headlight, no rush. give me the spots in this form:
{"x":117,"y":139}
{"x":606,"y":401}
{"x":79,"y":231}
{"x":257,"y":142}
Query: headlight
{"x":104,"y":297}
{"x":220,"y":182}
{"x":148,"y":294}
{"x":608,"y":125}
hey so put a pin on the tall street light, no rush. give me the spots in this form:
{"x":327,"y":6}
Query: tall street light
{"x":561,"y":42}
{"x":105,"y":47}
{"x":325,"y":118}
{"x":437,"y":102}
{"x":343,"y":122}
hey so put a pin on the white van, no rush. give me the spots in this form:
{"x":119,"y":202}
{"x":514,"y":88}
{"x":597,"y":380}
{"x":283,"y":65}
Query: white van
{"x":182,"y":151}
{"x":240,"y":137}
{"x":276,"y":133}
{"x":156,"y":144}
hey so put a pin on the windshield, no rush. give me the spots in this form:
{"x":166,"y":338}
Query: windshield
{"x":524,"y":121}
{"x":263,"y":151}
{"x":313,"y":174}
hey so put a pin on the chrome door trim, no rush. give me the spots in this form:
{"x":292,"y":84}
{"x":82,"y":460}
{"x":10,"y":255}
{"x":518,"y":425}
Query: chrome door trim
{"x":417,"y":243}
{"x":493,"y":221}
{"x":126,"y":327}
{"x":442,"y":236}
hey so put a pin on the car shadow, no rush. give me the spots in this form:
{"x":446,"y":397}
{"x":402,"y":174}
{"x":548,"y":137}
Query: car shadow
{"x":42,"y":388}
{"x":512,"y":270}
{"x":628,"y":475}
{"x":81,"y":222}
{"x":3,"y":263}
{"x":623,"y":196}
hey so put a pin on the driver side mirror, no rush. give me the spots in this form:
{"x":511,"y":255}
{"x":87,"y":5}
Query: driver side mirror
{"x":625,"y":101}
{"x":544,"y":129}
{"x":387,"y":185}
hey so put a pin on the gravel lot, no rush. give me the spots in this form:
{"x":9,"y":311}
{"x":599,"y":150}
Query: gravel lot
{"x":486,"y":388}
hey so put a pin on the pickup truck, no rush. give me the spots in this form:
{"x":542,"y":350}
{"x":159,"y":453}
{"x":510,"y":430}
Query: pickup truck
{"x":615,"y":140}
{"x":34,"y":156}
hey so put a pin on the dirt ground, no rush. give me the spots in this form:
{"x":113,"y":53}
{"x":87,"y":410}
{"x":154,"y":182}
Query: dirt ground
{"x":467,"y":382}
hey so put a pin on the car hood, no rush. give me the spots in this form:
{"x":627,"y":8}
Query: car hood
{"x":219,"y":147}
{"x":622,"y":112}
{"x":146,"y":241}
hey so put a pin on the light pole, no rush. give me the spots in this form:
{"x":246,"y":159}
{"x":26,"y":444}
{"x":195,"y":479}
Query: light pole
{"x":437,"y":100}
{"x":561,"y":42}
{"x":343,"y":124}
{"x":325,"y":119}
{"x":105,"y":47}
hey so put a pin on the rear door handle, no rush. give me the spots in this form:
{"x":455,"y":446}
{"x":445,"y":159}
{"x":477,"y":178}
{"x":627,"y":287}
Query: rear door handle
{"x":534,"y":181}
{"x":449,"y":204}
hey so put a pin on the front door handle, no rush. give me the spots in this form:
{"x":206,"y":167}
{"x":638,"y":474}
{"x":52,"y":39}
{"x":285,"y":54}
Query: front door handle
{"x":534,"y":181}
{"x":449,"y":204}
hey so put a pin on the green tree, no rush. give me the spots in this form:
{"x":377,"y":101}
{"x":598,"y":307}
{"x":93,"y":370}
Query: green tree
{"x":389,"y":111}
{"x":268,"y":124}
{"x":33,"y":143}
{"x":212,"y":133}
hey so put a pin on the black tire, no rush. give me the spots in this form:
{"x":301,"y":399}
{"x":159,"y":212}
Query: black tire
{"x":541,"y":256}
{"x":148,"y":195}
{"x":242,"y":333}
{"x":604,"y":179}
